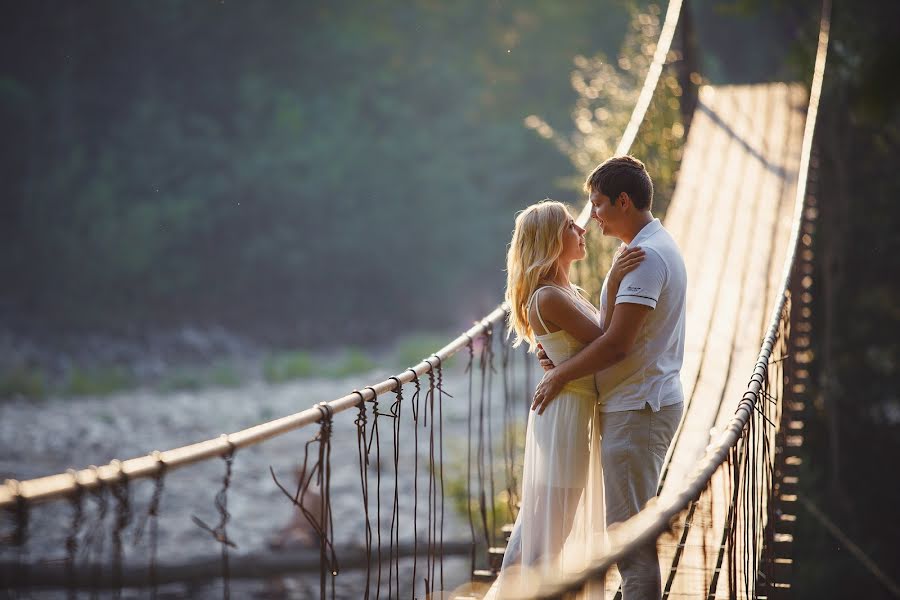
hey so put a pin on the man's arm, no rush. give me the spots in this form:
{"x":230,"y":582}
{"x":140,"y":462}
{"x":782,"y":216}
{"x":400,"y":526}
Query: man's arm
{"x":600,"y":354}
{"x":625,"y":261}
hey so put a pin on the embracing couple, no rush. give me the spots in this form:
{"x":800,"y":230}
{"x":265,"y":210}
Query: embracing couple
{"x":609,"y":403}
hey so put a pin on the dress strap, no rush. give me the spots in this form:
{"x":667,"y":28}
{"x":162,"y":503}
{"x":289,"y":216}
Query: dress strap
{"x":537,"y":308}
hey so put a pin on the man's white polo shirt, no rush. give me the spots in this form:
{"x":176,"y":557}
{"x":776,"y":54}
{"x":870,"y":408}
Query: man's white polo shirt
{"x":650,"y":373}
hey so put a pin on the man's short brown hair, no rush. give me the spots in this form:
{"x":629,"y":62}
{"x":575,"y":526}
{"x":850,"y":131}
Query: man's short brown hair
{"x":622,"y":174}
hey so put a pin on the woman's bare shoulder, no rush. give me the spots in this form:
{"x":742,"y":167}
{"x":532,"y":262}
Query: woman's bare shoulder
{"x":560,"y":310}
{"x":546,"y":304}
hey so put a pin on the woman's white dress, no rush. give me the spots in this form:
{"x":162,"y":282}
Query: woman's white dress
{"x":561,"y":522}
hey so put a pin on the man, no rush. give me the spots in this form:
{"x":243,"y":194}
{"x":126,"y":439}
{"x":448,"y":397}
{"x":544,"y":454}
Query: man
{"x":637,"y":362}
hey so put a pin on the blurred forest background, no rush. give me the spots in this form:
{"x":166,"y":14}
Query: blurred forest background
{"x":315,"y":174}
{"x":301,"y":173}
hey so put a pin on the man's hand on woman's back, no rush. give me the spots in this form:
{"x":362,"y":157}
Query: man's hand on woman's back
{"x":546,"y":363}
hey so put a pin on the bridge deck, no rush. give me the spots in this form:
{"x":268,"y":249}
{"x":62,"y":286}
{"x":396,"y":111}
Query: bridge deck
{"x":731,"y":215}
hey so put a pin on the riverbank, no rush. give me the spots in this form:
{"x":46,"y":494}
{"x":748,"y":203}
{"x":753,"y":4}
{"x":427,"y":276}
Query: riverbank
{"x":40,"y":366}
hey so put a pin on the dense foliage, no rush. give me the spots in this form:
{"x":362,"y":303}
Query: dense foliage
{"x":853,"y":425}
{"x":299,"y":170}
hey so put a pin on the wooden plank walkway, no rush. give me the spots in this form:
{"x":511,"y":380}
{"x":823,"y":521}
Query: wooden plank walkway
{"x":731,"y":215}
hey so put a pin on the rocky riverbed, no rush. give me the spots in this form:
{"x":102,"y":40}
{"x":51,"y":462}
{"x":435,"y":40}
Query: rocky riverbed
{"x":40,"y":438}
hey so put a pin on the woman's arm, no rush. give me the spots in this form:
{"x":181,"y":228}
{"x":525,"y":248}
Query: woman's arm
{"x":559,"y":312}
{"x":625,"y":261}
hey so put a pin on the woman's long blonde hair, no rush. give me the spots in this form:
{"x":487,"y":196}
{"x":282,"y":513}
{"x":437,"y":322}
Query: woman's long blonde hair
{"x":535,"y":247}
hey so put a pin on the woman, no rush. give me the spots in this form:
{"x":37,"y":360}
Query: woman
{"x":561,"y":520}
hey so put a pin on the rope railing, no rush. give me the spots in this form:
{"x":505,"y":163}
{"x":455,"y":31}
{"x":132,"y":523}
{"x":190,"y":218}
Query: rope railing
{"x":64,"y":484}
{"x":730,"y":448}
{"x":97,"y":541}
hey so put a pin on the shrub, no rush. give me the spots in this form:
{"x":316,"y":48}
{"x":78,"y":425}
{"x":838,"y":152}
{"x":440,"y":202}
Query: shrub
{"x":288,"y":365}
{"x":353,"y":362}
{"x":224,"y":375}
{"x":98,"y":381}
{"x":23,"y":381}
{"x":181,"y":380}
{"x":412,"y":349}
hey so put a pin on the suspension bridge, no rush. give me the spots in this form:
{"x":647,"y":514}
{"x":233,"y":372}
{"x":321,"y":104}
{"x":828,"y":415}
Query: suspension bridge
{"x":743,"y":212}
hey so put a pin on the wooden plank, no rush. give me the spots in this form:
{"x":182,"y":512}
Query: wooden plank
{"x":703,"y":273}
{"x":718,"y":362}
{"x":772,"y":178}
{"x":749,"y":327}
{"x":695,"y":166}
{"x":704,"y":267}
{"x":787,"y":147}
{"x":695,"y":567}
{"x":797,"y":100}
{"x":753,"y":321}
{"x":735,"y":202}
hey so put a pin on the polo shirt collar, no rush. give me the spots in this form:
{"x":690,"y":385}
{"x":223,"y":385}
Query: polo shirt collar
{"x":648,"y":230}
